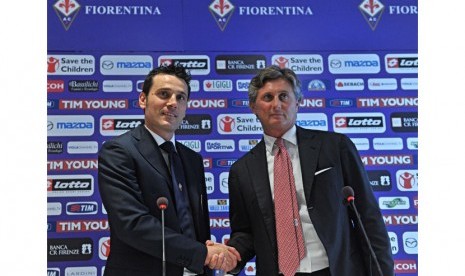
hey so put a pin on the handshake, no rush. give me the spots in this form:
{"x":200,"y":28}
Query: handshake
{"x":221,"y":257}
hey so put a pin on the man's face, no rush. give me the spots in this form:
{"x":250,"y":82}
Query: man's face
{"x":276,"y":107}
{"x":165,"y":105}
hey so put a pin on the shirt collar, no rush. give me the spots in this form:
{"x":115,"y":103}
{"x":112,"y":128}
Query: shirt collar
{"x":290,"y":136}
{"x":159,"y":139}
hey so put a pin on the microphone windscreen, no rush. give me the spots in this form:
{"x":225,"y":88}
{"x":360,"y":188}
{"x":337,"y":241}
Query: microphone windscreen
{"x":162,"y":202}
{"x":347,"y":192}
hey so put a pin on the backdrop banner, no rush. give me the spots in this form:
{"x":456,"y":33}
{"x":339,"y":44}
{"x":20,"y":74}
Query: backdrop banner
{"x":357,"y":60}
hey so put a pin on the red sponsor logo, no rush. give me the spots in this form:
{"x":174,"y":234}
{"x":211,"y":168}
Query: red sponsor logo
{"x":49,"y":185}
{"x":55,"y":86}
{"x":105,"y":248}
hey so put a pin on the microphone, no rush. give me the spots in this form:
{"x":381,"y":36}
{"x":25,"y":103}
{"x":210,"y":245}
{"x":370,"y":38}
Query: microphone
{"x":349,"y":199}
{"x":162,"y":203}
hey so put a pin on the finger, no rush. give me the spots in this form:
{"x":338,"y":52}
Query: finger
{"x":229,"y":267}
{"x":222,"y":262}
{"x":227,"y":262}
{"x":235,"y":252}
{"x":209,"y":242}
{"x":232,"y":261}
{"x":213,"y":261}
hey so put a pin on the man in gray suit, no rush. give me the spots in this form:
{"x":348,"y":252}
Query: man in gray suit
{"x":320,"y":165}
{"x":139,"y":167}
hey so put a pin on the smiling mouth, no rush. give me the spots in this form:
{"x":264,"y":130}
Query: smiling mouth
{"x":172,"y":115}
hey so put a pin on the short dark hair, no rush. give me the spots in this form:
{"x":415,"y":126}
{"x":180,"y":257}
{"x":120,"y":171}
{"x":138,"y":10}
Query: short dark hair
{"x":171,"y":69}
{"x":274,"y":72}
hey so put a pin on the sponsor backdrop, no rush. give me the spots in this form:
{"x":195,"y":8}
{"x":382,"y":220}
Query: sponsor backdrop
{"x":357,"y":61}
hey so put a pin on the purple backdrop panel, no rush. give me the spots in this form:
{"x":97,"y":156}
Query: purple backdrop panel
{"x":291,"y":25}
{"x":122,"y":25}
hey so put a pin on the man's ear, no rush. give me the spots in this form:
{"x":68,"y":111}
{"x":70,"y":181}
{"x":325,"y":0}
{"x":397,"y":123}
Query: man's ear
{"x":297,"y":105}
{"x":142,"y":100}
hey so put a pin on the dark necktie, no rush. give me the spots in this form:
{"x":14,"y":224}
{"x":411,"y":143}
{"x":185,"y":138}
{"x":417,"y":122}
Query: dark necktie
{"x":180,"y":191}
{"x":291,"y":248}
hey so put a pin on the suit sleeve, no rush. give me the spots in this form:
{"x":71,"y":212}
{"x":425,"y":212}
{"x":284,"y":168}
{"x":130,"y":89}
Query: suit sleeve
{"x":355,"y":176}
{"x":241,"y":234}
{"x":130,"y":218}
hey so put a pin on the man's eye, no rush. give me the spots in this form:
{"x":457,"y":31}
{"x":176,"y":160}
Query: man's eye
{"x":181,"y":98}
{"x":267,"y":98}
{"x":283,"y":97}
{"x":163,"y":94}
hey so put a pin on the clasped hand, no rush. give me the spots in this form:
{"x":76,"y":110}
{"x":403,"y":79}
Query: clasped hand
{"x":221,"y":256}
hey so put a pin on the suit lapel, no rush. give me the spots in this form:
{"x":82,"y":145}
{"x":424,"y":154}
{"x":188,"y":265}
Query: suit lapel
{"x":309,"y":147}
{"x":261,"y":185}
{"x":151,"y":152}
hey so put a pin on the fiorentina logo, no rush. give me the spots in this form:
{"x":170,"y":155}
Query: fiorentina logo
{"x":372,"y":11}
{"x":221,"y":11}
{"x":67,"y":11}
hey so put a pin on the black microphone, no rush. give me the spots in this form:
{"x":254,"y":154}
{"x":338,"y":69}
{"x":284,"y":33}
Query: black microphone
{"x":349,"y":199}
{"x":162,"y":203}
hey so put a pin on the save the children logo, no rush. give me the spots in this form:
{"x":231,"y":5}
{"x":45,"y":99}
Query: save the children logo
{"x":372,"y":10}
{"x":221,"y":11}
{"x":67,"y":11}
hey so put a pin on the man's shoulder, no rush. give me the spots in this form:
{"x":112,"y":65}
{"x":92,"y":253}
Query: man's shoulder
{"x":123,"y":139}
{"x":250,"y":155}
{"x":321,"y":134}
{"x":187,"y":150}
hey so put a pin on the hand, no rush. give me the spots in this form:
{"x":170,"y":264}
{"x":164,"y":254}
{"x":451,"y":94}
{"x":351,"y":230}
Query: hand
{"x":221,"y":256}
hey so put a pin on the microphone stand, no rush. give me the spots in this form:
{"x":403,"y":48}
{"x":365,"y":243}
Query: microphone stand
{"x":373,"y":255}
{"x":162,"y":204}
{"x":163,"y":240}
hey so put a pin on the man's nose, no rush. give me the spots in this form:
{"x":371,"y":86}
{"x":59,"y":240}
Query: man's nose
{"x":276,"y":102}
{"x":172,"y":101}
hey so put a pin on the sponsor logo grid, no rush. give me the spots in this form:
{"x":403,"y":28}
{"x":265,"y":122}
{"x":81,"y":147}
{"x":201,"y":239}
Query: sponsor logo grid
{"x":92,"y":98}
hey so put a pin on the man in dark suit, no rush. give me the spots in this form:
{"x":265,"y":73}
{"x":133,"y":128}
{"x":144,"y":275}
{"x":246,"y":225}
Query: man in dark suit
{"x":135,"y":169}
{"x":320,"y":164}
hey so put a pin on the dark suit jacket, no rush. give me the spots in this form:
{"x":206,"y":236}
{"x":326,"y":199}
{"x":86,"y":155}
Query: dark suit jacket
{"x":252,"y":210}
{"x":132,"y":176}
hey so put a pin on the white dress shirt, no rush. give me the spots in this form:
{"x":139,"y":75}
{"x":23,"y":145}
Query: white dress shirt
{"x":315,"y":258}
